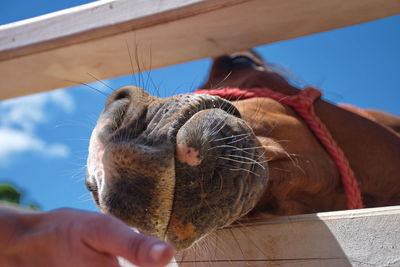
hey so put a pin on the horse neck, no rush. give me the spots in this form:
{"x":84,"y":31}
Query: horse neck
{"x":372,"y":150}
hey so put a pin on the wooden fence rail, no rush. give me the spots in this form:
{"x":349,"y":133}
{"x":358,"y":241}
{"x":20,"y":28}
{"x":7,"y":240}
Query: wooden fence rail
{"x":49,"y":51}
{"x":367,"y":237}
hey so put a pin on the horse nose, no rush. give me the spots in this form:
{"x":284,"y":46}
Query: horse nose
{"x":119,"y":94}
{"x":128,"y":93}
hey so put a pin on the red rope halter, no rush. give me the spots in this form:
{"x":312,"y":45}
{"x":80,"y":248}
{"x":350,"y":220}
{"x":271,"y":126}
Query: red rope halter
{"x":302,"y":103}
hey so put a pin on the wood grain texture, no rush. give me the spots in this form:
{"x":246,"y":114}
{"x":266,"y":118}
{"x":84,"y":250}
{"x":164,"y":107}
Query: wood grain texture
{"x":48,"y":52}
{"x":367,"y":237}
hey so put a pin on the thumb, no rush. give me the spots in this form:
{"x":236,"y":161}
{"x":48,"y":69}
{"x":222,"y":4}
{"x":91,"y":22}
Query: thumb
{"x":111,"y":236}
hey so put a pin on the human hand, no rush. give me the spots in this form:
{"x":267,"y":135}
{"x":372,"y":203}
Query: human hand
{"x":67,"y":237}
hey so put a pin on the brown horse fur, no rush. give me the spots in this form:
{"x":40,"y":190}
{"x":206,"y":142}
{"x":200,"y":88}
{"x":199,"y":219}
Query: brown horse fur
{"x":303,"y":178}
{"x":180,"y":167}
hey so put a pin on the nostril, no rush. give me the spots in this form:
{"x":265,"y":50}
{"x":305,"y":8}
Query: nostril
{"x":122,"y":94}
{"x":119,"y":94}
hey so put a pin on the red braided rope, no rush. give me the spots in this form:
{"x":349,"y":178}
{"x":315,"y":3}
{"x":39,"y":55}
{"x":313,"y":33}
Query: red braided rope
{"x":302,"y":103}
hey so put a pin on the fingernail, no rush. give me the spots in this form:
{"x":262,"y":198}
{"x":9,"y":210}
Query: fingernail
{"x":157,"y":251}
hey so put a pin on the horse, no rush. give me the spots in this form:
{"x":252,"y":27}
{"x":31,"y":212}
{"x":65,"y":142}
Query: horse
{"x":180,"y":167}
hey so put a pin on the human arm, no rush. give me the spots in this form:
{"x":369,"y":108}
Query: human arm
{"x":67,"y":237}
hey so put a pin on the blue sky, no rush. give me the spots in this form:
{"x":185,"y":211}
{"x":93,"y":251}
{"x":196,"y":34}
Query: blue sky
{"x":44,"y":137}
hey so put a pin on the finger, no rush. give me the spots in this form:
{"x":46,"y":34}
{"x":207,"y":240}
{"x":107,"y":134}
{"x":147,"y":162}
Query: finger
{"x":96,"y":260}
{"x":109,"y":235}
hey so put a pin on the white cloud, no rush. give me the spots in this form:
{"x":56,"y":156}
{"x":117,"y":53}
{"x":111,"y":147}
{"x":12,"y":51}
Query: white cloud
{"x":26,"y":112}
{"x":64,"y":100}
{"x":19,"y":119}
{"x":16,"y":141}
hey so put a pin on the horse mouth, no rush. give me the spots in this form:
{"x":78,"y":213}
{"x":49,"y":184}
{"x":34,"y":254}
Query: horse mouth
{"x":175,"y":168}
{"x":219,"y":176}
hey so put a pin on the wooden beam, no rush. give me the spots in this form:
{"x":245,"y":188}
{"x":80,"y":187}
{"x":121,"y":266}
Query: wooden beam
{"x":367,"y":237}
{"x":49,"y":51}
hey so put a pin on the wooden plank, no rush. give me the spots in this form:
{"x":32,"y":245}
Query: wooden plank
{"x":47,"y":52}
{"x":367,"y":237}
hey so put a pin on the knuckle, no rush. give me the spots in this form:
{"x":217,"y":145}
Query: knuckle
{"x":98,"y":217}
{"x":96,"y":227}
